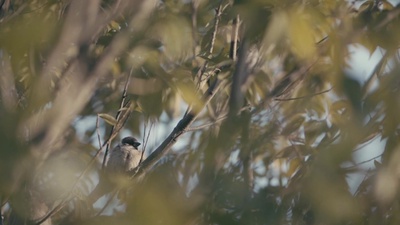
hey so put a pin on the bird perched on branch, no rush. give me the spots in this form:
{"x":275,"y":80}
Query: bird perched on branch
{"x":122,"y":158}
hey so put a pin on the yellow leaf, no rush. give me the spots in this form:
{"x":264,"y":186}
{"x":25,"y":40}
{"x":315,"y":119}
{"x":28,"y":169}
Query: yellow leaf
{"x":293,"y":167}
{"x":187,"y":90}
{"x":385,"y":5}
{"x":276,"y":29}
{"x":293,"y":124}
{"x":108,"y":118}
{"x":301,"y":35}
{"x":123,"y":109}
{"x":114,"y":25}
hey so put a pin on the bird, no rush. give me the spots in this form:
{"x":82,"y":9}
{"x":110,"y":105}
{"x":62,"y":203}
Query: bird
{"x":123,"y":158}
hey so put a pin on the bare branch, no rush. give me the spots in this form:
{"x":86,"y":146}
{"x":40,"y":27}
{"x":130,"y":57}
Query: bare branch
{"x":221,"y":118}
{"x":98,"y":131}
{"x":8,"y":90}
{"x":363,"y":162}
{"x":195,"y":5}
{"x":117,"y":116}
{"x":235,"y":38}
{"x":289,"y":81}
{"x":218,"y":13}
{"x":306,"y":96}
{"x":240,"y":75}
{"x":114,"y":192}
{"x":146,"y":140}
{"x":201,"y":71}
{"x":207,"y":124}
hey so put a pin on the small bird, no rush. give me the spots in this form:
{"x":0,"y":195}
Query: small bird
{"x":123,"y":158}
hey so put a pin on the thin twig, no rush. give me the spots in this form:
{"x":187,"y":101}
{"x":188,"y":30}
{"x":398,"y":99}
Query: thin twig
{"x":290,"y":80}
{"x":145,"y":140}
{"x":207,"y":124}
{"x":214,"y":122}
{"x":114,"y":192}
{"x":363,"y":162}
{"x":359,"y":186}
{"x":98,"y":130}
{"x":305,"y":96}
{"x":218,"y":13}
{"x":363,"y":145}
{"x":235,"y":38}
{"x":194,"y":27}
{"x":123,"y":99}
{"x":202,"y":70}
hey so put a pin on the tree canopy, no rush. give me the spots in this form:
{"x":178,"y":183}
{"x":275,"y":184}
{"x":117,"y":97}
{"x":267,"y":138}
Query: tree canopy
{"x":260,"y":95}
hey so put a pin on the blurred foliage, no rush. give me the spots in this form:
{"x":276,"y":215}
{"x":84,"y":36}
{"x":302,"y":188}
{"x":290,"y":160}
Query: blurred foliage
{"x":289,"y":156}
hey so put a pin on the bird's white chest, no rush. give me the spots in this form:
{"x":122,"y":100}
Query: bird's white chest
{"x":123,"y":159}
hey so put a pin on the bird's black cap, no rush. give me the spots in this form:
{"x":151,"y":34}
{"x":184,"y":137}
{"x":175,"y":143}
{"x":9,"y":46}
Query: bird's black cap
{"x":130,"y":141}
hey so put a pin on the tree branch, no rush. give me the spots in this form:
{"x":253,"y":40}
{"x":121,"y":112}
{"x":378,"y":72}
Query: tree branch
{"x":8,"y":90}
{"x":180,"y":128}
{"x":117,"y":116}
{"x":301,"y":97}
{"x":221,"y":118}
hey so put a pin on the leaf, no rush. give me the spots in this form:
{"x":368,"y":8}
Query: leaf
{"x":301,"y":34}
{"x":292,"y":151}
{"x":385,"y":5}
{"x":293,"y":124}
{"x":122,"y":109}
{"x":108,"y":118}
{"x":367,"y":5}
{"x":314,"y":129}
{"x":187,"y":91}
{"x":294,"y":165}
{"x":276,"y":29}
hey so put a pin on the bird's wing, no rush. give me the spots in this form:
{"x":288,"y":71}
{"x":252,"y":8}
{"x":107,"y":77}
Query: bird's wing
{"x":114,"y":161}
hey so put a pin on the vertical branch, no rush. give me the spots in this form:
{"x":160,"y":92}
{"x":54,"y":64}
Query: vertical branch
{"x":218,"y":13}
{"x":145,"y":140}
{"x":97,"y":130}
{"x":236,"y":99}
{"x":8,"y":91}
{"x":194,"y":26}
{"x":234,"y":38}
{"x":117,"y":116}
{"x":246,"y":154}
{"x":201,"y":71}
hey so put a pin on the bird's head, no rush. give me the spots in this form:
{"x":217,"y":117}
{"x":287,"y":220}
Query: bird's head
{"x":130,"y":141}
